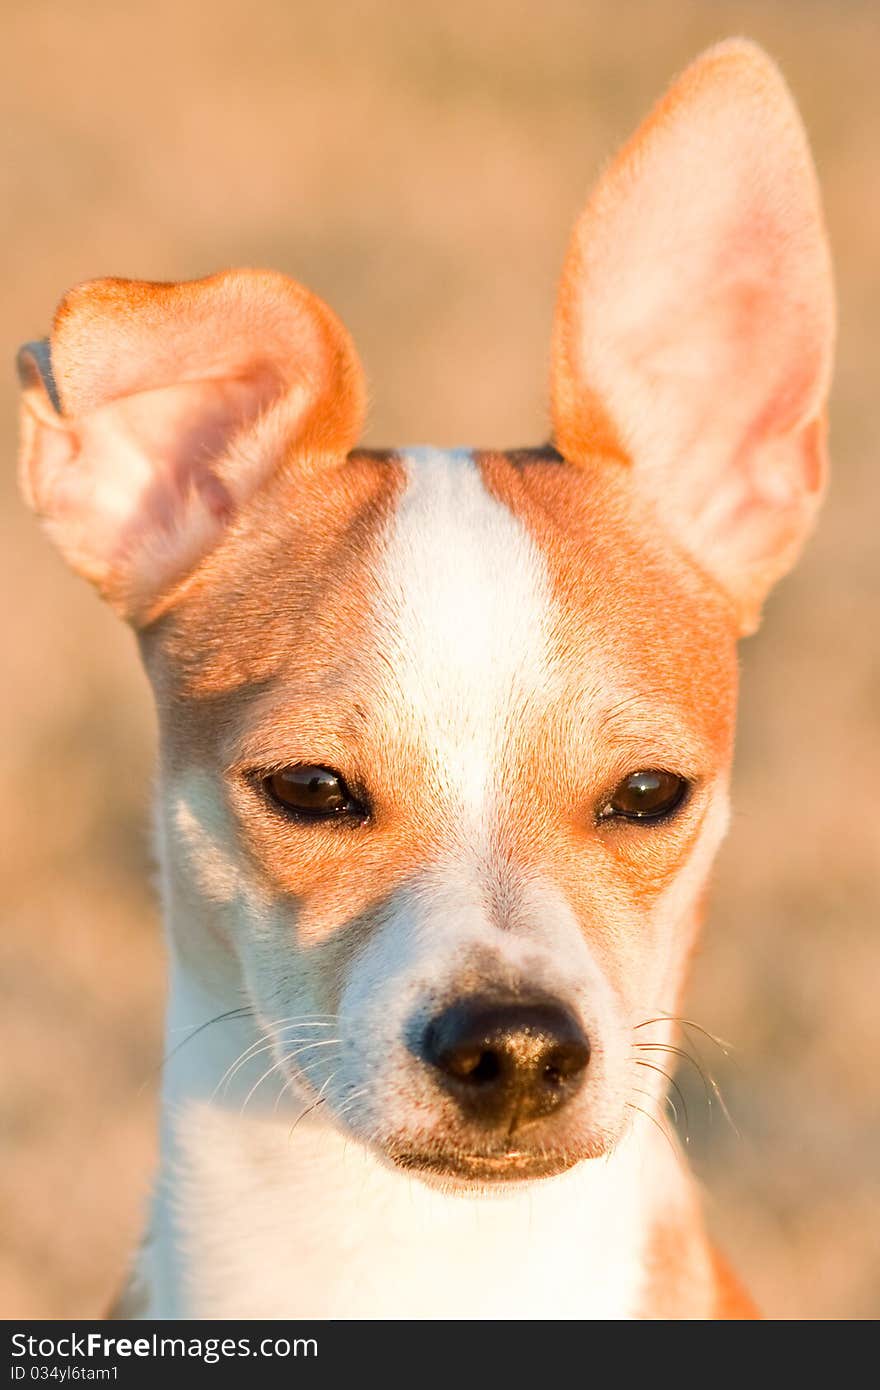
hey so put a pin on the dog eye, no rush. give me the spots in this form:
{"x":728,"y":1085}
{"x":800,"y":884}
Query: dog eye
{"x":316,"y":793}
{"x":647,"y":795}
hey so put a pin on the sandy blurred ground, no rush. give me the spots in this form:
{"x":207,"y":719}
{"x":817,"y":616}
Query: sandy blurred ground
{"x":420,"y":165}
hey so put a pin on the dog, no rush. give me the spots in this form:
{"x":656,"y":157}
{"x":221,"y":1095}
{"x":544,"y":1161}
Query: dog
{"x":445,"y":738}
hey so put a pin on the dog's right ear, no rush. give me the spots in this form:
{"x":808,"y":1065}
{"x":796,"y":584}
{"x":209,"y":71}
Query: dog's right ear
{"x":155,"y":411}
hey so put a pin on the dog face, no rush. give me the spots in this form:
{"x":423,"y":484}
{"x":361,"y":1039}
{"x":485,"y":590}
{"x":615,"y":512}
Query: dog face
{"x":464,"y":655}
{"x":445,"y":735}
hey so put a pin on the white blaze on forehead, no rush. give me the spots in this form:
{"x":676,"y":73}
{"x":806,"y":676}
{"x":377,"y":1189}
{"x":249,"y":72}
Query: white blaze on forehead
{"x":467,"y":604}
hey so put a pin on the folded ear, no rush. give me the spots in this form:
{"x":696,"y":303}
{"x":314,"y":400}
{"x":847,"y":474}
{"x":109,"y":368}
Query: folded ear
{"x":695,"y":322}
{"x":154,"y":412}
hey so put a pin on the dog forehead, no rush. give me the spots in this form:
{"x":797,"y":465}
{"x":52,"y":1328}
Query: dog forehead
{"x":451,"y":585}
{"x":512,"y":581}
{"x":466,"y":602}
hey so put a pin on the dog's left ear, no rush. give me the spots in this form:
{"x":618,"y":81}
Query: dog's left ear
{"x":695,"y":322}
{"x":155,"y":411}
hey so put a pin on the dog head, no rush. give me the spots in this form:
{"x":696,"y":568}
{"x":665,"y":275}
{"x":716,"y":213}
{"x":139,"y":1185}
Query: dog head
{"x":445,"y":735}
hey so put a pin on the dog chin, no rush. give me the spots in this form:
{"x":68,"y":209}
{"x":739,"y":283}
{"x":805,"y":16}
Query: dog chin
{"x":455,"y":1170}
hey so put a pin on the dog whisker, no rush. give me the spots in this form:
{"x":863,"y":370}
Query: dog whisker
{"x":276,"y":1066}
{"x":262,"y":1044}
{"x":300,"y":1072}
{"x":244,"y":1011}
{"x":720,"y":1043}
{"x":314,"y":1105}
{"x":281,"y":1062}
{"x":638,"y":1091}
{"x":350,"y":1100}
{"x":631,"y":1105}
{"x":710,"y":1082}
{"x":640,"y":1062}
{"x":686,"y":1056}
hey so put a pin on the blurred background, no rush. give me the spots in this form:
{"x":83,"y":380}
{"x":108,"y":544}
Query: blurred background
{"x":420,"y":166}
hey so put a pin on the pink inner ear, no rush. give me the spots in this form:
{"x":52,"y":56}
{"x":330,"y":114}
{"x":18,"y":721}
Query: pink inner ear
{"x":132,"y":493}
{"x":179,"y":432}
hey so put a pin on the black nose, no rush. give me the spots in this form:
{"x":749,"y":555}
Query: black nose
{"x":507,"y":1063}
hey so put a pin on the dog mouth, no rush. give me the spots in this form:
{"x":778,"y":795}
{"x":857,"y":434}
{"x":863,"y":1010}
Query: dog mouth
{"x":511,"y":1166}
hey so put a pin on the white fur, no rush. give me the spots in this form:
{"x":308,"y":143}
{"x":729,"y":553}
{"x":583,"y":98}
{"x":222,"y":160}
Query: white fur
{"x":467,"y":603}
{"x":319,"y":1228}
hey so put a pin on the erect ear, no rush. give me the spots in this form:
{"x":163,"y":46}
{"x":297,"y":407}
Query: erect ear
{"x":695,"y":322}
{"x":155,"y":411}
